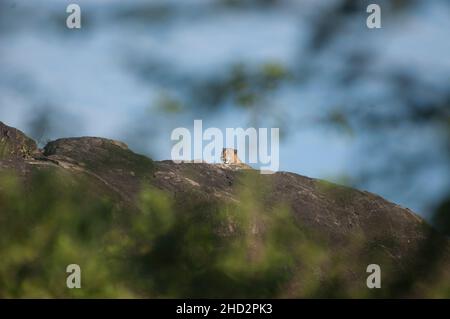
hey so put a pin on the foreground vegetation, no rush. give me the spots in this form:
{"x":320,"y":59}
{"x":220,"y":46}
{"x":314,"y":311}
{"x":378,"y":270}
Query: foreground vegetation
{"x":166,"y":249}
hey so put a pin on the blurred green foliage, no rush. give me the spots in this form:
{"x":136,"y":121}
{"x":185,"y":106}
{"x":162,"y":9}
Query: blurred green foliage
{"x":202,"y":249}
{"x":166,"y":248}
{"x":46,"y":225}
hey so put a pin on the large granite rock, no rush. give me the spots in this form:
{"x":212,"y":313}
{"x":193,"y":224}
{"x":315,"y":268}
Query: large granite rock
{"x":337,"y":215}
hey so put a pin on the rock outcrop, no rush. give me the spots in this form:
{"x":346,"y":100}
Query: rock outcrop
{"x":336,"y":214}
{"x":15,"y":144}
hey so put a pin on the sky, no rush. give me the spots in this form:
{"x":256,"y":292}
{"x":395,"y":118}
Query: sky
{"x":86,"y":79}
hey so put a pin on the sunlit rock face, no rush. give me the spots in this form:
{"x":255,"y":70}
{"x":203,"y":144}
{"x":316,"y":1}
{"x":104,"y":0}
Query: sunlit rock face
{"x":353,"y":228}
{"x":14,"y":143}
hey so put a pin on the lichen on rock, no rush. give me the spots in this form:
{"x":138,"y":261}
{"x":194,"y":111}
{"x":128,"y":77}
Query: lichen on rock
{"x":15,"y":144}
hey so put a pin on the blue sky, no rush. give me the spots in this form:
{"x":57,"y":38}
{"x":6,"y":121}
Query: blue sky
{"x":86,"y":76}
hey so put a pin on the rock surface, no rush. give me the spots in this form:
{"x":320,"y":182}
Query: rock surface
{"x":335,"y":213}
{"x":14,"y":143}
